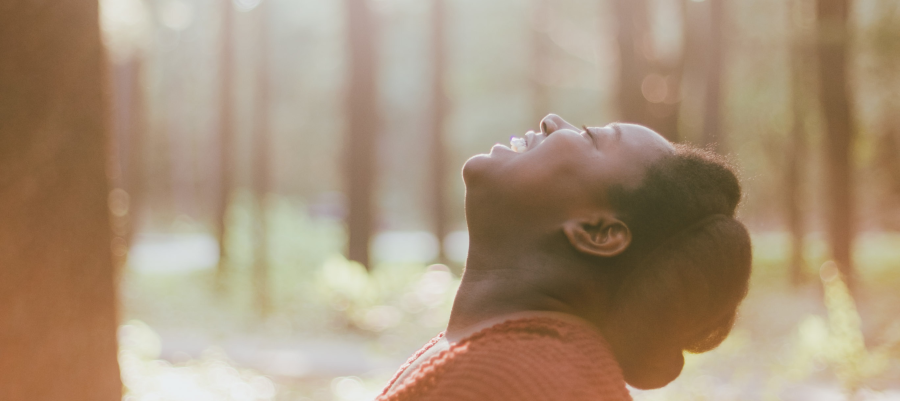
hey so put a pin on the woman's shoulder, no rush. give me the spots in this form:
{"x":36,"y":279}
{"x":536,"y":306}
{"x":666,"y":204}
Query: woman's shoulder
{"x":532,"y":358}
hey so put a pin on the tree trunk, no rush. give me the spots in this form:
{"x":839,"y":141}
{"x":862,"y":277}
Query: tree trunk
{"x":261,"y":165}
{"x":439,"y":111}
{"x":713,"y":135}
{"x":541,"y":48}
{"x":126,"y":152}
{"x":888,"y":162}
{"x":57,"y":291}
{"x":835,"y":98}
{"x":134,"y":174}
{"x":664,"y":115}
{"x":795,"y":174}
{"x":226,"y":140}
{"x":887,"y":158}
{"x":649,"y":87}
{"x":362,"y":128}
{"x":633,"y":65}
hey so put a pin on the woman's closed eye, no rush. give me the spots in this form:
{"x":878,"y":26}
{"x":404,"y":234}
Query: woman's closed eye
{"x":592,"y":135}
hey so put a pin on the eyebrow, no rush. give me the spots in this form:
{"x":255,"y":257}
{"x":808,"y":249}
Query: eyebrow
{"x":615,"y":127}
{"x":591,"y":135}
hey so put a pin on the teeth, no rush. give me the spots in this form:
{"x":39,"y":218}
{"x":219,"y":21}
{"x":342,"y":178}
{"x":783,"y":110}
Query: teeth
{"x":529,"y":139}
{"x":518,"y":145}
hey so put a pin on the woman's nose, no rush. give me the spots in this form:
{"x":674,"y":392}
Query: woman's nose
{"x":553,"y":122}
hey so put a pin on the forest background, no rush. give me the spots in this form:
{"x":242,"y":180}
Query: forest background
{"x":285,"y":205}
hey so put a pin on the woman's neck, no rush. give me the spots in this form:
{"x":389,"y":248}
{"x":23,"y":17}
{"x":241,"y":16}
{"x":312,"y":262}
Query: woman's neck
{"x":458,"y":334}
{"x":499,"y":284}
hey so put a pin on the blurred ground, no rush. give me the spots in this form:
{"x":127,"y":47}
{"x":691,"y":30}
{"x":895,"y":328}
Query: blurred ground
{"x":337,"y":333}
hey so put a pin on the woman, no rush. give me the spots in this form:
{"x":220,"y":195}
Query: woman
{"x":597,"y":257}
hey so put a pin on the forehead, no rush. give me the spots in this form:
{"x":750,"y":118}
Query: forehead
{"x":636,"y":148}
{"x":643,"y":140}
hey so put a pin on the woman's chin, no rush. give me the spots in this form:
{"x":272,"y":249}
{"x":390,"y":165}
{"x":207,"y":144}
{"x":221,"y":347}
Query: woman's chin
{"x":656,"y":374}
{"x":490,"y":167}
{"x":475,"y":167}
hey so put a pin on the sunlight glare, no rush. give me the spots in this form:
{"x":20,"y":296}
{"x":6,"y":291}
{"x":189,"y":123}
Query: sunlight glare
{"x":246,"y":5}
{"x":176,"y":15}
{"x":125,"y":27}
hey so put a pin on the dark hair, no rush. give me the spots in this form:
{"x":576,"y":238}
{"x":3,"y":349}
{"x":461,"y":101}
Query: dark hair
{"x":687,"y":270}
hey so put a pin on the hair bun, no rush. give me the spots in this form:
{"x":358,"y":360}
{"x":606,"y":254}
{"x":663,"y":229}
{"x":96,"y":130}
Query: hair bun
{"x":682,"y":296}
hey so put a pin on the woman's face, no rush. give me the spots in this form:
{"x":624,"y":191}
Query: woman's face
{"x":562,"y":168}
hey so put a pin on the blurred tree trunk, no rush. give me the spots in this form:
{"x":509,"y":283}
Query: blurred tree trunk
{"x":664,"y":115}
{"x":886,"y":35}
{"x":182,"y":170}
{"x":888,"y":161}
{"x":363,"y":124}
{"x":57,"y":291}
{"x":833,"y":41}
{"x":795,"y":174}
{"x":126,"y":152}
{"x":134,"y":174}
{"x":541,"y":48}
{"x":262,"y":165}
{"x":633,"y":66}
{"x":712,"y":112}
{"x":226,"y":140}
{"x":649,"y":86}
{"x":439,"y":104}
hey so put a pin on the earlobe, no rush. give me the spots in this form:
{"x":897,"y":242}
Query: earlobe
{"x":603,"y":236}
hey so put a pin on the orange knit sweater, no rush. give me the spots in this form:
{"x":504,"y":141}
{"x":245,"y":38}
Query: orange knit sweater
{"x":538,"y":358}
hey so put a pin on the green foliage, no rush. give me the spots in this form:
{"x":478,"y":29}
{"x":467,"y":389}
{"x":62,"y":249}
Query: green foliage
{"x":836,"y":342}
{"x":784,"y":337}
{"x":390,"y":297}
{"x":211,"y":378}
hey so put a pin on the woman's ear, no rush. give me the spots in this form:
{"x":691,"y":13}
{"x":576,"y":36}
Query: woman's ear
{"x":602,"y":235}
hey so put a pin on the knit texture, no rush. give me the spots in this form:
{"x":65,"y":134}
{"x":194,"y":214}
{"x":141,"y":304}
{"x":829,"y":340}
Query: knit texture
{"x":538,"y":359}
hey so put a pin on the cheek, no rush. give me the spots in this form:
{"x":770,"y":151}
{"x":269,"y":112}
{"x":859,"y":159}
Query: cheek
{"x":547,"y":185}
{"x":564,"y":169}
{"x":554,"y":175}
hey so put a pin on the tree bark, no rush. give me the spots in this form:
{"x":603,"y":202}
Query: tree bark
{"x":262,"y":165}
{"x":362,"y":128}
{"x":226,"y":141}
{"x":833,"y":36}
{"x":649,"y":87}
{"x":888,"y":161}
{"x":796,"y":156}
{"x":134,"y":174}
{"x":126,"y":152}
{"x":633,"y":66}
{"x":541,"y":49}
{"x":713,"y":135}
{"x":57,"y":291}
{"x":439,"y":112}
